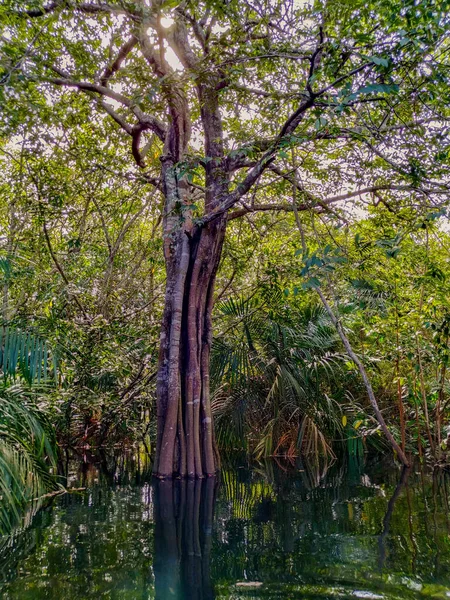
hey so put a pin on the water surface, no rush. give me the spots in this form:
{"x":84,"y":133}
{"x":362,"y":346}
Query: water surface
{"x":263,"y":533}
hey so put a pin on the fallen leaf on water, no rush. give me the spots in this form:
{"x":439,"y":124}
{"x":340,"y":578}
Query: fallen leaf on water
{"x":249,"y":584}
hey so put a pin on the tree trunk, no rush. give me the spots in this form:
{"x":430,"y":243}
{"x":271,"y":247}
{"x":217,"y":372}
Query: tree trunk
{"x":185,"y":438}
{"x":185,"y":441}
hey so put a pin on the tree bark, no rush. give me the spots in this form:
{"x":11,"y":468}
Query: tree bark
{"x":185,"y":441}
{"x":185,"y":437}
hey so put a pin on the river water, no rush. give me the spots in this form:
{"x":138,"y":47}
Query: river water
{"x":272,"y":531}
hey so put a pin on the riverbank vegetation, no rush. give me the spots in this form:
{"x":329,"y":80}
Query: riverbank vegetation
{"x":132,"y":136}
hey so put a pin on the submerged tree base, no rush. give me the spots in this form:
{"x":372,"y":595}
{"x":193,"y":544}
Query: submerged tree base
{"x":185,"y":477}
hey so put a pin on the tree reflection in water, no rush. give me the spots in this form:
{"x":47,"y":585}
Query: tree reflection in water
{"x":279,"y":532}
{"x":183,"y":513}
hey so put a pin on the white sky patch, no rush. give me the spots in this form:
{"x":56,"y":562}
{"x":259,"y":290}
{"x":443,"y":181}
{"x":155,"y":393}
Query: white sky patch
{"x":170,"y":55}
{"x":173,"y":60}
{"x":167,"y":22}
{"x":217,"y":28}
{"x":115,"y":87}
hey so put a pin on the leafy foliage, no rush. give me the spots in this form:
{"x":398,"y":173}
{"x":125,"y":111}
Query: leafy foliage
{"x":27,"y":453}
{"x":273,"y":368}
{"x":25,"y":353}
{"x":367,"y":168}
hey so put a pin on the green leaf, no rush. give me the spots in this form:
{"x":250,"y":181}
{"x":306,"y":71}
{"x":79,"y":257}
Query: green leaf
{"x":312,"y":283}
{"x":320,"y":122}
{"x":378,"y":60}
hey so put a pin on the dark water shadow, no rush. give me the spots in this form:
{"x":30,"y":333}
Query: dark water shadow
{"x":388,"y":516}
{"x":183,"y":513}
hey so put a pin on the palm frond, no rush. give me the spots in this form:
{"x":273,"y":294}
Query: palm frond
{"x":25,"y":353}
{"x":271,"y":369}
{"x":27,"y":453}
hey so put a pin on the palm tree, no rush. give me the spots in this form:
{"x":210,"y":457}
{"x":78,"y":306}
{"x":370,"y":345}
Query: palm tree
{"x":273,"y":367}
{"x":27,"y":441}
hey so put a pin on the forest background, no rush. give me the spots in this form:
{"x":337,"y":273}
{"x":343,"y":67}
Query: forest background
{"x":330,"y":174}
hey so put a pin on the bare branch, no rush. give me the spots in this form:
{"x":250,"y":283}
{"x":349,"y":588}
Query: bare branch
{"x":247,"y":209}
{"x":344,"y":77}
{"x":242,"y":59}
{"x":91,"y":87}
{"x":331,"y":200}
{"x":136,"y":132}
{"x":177,"y":36}
{"x":117,"y":118}
{"x":160,"y":66}
{"x":315,"y":60}
{"x":121,"y":56}
{"x":265,"y":94}
{"x":197,"y":27}
{"x":145,"y":121}
{"x":60,"y":269}
{"x":180,"y":126}
{"x":84,"y":7}
{"x":255,"y":172}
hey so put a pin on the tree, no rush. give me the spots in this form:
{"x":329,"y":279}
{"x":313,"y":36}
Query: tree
{"x":346,"y":84}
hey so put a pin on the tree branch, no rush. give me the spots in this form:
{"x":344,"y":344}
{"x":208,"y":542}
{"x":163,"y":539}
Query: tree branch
{"x":235,"y":60}
{"x":121,"y":56}
{"x":326,"y":201}
{"x":117,"y":118}
{"x":266,"y":208}
{"x":60,"y":269}
{"x":179,"y":131}
{"x":40,"y":12}
{"x":84,"y":7}
{"x":197,"y":27}
{"x":344,"y":77}
{"x":275,"y":94}
{"x":90,"y":87}
{"x":255,"y":172}
{"x":146,"y":121}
